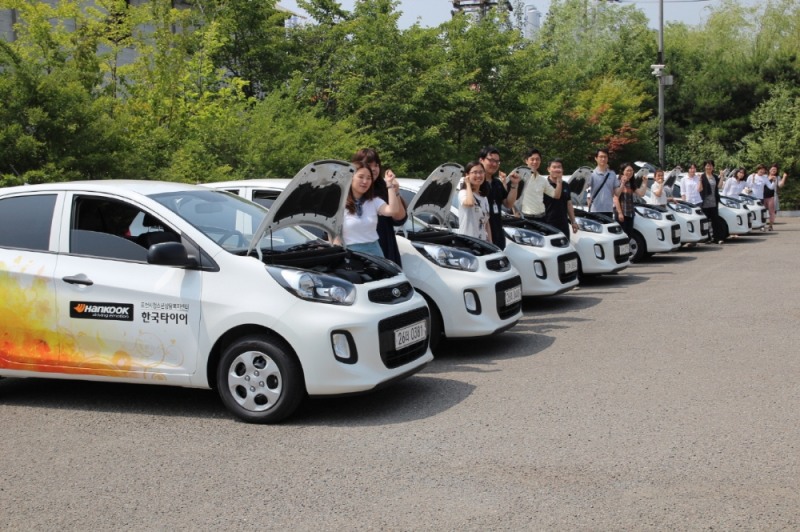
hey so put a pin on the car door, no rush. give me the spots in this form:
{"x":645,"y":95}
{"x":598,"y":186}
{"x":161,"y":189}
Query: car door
{"x":117,"y":314}
{"x":28,"y":317}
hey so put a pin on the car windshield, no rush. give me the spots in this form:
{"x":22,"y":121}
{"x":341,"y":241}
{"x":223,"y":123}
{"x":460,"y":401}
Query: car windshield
{"x":229,"y":220}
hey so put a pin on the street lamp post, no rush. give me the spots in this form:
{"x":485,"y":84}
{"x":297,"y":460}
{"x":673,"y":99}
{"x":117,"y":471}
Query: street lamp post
{"x":663,"y":80}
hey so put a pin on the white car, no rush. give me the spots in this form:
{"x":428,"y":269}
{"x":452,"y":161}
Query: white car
{"x":760,"y":213}
{"x":695,"y":226}
{"x":654,"y":231}
{"x":733,"y":212}
{"x":602,"y":248}
{"x":544,"y":258}
{"x":470,"y":285}
{"x":167,"y":283}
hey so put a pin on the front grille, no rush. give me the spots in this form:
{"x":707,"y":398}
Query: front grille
{"x":764,"y":216}
{"x":705,"y":226}
{"x":560,"y":242}
{"x":391,"y":295}
{"x":676,"y":234}
{"x":499,"y":265}
{"x":391,"y":357}
{"x":618,"y":255}
{"x":500,"y":296}
{"x":563,"y":276}
{"x":615,"y":229}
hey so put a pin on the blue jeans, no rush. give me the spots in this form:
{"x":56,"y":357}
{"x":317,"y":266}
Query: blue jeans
{"x":373,"y":248}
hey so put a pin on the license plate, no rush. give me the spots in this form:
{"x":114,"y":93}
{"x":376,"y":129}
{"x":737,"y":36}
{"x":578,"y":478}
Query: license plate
{"x":625,"y":249}
{"x":513,"y":295}
{"x":416,"y":332}
{"x":571,"y":266}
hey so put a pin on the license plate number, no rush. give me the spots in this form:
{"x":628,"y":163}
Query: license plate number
{"x":571,"y":266}
{"x":416,"y":332}
{"x":625,"y":249}
{"x":513,"y":295}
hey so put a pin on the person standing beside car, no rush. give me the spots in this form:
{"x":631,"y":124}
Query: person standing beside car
{"x":473,"y":205}
{"x":771,"y":192}
{"x":536,"y":187}
{"x":362,"y":209}
{"x":660,"y":196}
{"x":603,"y":184}
{"x":558,"y":210}
{"x":386,"y":224}
{"x":623,"y":199}
{"x":710,"y":186}
{"x":691,"y":185}
{"x":735,"y":184}
{"x":500,"y":193}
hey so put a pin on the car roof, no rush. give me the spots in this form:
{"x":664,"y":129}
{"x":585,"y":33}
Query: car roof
{"x":261,"y":182}
{"x":142,"y":187}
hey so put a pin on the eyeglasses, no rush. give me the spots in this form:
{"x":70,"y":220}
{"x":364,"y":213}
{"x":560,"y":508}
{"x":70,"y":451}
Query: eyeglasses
{"x":495,"y":161}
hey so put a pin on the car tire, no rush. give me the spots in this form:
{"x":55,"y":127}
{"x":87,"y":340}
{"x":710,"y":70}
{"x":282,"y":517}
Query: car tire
{"x":638,"y":248}
{"x":437,"y":324}
{"x":260,"y":380}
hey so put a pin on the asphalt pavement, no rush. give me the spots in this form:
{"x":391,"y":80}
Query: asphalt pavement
{"x":665,"y":397}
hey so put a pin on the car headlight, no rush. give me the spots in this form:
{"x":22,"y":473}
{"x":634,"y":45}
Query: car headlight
{"x":730,"y":202}
{"x":649,"y":213}
{"x":314,"y":286}
{"x":680,"y":207}
{"x":448,"y":257}
{"x":525,"y":237}
{"x":590,"y":226}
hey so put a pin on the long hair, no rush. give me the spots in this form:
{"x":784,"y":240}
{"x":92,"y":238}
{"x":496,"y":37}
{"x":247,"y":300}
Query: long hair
{"x":368,"y":156}
{"x":350,"y":205}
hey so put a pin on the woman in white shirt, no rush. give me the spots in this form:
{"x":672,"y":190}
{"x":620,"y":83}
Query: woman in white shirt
{"x":735,"y":184}
{"x":360,"y":231}
{"x":473,"y":206}
{"x":659,"y":194}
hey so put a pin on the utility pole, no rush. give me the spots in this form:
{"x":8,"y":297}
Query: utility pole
{"x":663,"y":80}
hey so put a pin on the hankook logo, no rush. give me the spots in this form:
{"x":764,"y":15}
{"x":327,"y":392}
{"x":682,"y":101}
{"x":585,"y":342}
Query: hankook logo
{"x":100,"y":311}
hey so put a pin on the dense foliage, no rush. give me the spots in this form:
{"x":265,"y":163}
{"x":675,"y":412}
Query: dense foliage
{"x":222,"y":90}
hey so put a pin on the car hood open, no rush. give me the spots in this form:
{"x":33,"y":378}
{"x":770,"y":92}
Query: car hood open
{"x":315,"y":196}
{"x":436,"y":193}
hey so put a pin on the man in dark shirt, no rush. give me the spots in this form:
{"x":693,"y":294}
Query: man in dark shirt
{"x":499,"y":195}
{"x":558,"y":211}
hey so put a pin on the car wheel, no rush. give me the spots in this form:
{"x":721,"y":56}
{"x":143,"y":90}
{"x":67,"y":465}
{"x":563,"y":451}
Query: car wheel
{"x":260,"y":380}
{"x":437,"y":325}
{"x":638,"y":247}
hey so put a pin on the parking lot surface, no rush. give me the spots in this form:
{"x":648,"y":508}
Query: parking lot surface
{"x":665,"y":397}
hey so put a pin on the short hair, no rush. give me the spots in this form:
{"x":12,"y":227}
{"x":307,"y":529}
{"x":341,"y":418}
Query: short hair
{"x":709,"y":161}
{"x":530,"y":152}
{"x":488,"y":150}
{"x":760,"y":167}
{"x":604,"y":150}
{"x":557,"y":160}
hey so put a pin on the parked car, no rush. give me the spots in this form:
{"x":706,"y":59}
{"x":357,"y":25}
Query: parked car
{"x":543,"y":256}
{"x":167,"y":283}
{"x":732,"y":211}
{"x":470,"y":286}
{"x":654,"y":231}
{"x":695,"y":226}
{"x":602,"y":248}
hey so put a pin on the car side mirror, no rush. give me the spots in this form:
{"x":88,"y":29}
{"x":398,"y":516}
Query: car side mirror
{"x":170,"y":254}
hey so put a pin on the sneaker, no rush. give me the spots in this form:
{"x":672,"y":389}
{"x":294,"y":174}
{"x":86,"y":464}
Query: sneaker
{"x":720,"y":242}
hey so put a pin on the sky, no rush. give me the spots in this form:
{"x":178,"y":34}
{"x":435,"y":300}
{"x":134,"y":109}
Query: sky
{"x":433,"y":12}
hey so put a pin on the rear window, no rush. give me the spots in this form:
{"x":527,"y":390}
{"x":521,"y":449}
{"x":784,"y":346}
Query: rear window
{"x":25,"y":221}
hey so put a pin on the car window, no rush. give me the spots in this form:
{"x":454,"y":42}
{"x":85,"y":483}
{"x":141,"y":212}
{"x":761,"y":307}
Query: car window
{"x":265,"y":198}
{"x":25,"y":221}
{"x":110,"y":228}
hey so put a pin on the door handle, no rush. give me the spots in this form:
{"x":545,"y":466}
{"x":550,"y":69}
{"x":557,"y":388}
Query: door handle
{"x":78,"y":279}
